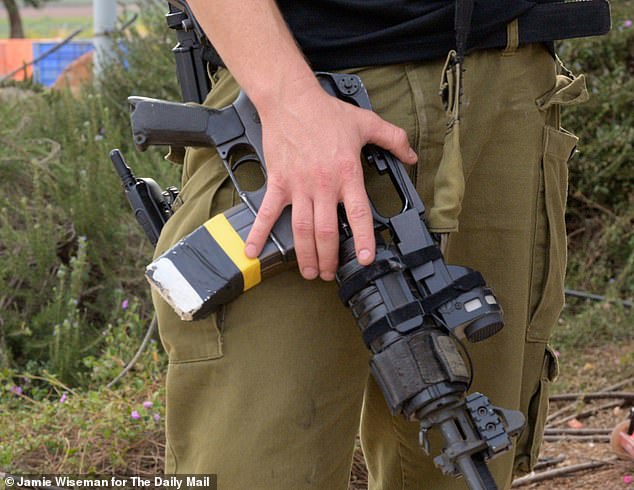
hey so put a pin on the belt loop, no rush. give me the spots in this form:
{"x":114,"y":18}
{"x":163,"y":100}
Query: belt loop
{"x":512,"y":37}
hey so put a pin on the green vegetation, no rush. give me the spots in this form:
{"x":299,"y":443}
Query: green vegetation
{"x":600,"y":216}
{"x":47,"y":426}
{"x":46,"y":27}
{"x":71,"y":249}
{"x":601,"y":209}
{"x":74,"y":305}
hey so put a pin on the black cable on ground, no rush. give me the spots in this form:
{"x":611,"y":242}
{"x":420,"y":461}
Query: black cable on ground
{"x":146,"y":339}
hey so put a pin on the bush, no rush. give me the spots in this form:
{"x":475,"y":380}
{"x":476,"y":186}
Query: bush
{"x":68,"y":241}
{"x":600,"y":205}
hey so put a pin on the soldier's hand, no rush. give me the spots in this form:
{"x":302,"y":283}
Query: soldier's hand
{"x":312,"y":145}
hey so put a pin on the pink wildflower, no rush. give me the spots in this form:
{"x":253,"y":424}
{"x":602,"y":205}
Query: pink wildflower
{"x":135,"y":415}
{"x":157,"y":417}
{"x":63,"y":398}
{"x":627,"y":479}
{"x":147,"y":404}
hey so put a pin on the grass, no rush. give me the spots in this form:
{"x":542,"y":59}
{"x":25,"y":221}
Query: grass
{"x":591,"y":325}
{"x":97,"y":431}
{"x":86,"y":2}
{"x":47,"y":426}
{"x":595,"y":345}
{"x":46,"y":27}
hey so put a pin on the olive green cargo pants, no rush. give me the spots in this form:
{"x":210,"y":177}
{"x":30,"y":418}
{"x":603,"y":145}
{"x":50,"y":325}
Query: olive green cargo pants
{"x":270,"y":392}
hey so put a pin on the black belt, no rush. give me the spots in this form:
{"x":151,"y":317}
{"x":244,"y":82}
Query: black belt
{"x":554,"y":21}
{"x":542,"y":23}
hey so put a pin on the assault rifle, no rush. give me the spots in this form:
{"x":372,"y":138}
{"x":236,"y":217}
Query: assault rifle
{"x":410,"y":306}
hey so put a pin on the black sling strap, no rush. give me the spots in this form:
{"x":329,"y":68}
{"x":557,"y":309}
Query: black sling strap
{"x":462,"y":26}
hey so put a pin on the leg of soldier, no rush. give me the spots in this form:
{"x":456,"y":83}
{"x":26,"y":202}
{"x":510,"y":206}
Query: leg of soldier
{"x":267,"y":393}
{"x":512,"y":230}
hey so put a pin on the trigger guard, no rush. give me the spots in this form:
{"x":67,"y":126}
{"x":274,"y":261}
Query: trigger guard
{"x":225,"y":154}
{"x":380,"y":221}
{"x":251,"y":157}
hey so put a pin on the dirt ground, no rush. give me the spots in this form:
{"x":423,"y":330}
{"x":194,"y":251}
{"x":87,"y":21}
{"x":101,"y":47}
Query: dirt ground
{"x":614,"y":475}
{"x":592,"y":370}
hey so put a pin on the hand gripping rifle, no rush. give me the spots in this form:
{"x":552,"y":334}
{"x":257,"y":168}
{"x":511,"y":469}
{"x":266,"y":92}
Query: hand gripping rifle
{"x":410,"y":306}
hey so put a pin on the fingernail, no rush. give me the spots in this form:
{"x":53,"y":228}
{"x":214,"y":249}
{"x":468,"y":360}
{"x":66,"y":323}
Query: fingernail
{"x":309,"y":273}
{"x":251,"y":251}
{"x":412,"y":154}
{"x":363,"y":255}
{"x":327,"y":276}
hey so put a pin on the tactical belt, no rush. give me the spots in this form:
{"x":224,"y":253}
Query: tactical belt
{"x":543,"y":23}
{"x":554,"y":21}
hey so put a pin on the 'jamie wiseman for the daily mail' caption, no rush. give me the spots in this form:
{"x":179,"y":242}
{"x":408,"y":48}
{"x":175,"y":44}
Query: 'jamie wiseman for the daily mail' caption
{"x":64,"y":482}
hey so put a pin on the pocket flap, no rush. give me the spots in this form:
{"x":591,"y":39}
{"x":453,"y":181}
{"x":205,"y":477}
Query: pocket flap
{"x":567,"y":91}
{"x":559,"y":144}
{"x":549,"y":256}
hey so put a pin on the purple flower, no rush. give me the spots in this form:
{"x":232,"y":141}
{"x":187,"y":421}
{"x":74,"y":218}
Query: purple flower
{"x":147,"y":404}
{"x":124,"y":304}
{"x":63,"y":398}
{"x":16,"y":389}
{"x":157,"y":417}
{"x":627,"y":23}
{"x":135,"y":415}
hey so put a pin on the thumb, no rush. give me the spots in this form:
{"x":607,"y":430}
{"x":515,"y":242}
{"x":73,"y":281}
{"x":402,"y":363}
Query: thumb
{"x":389,"y":137}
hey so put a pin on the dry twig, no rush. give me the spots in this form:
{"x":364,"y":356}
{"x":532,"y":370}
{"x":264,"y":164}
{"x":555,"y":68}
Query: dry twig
{"x":571,"y":406}
{"x":624,"y":395}
{"x":577,"y":438}
{"x":586,"y":413}
{"x":577,"y":432}
{"x":546,"y":462}
{"x":557,"y":472}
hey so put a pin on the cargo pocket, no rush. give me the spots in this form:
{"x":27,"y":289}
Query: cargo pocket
{"x":204,"y":193}
{"x":532,"y":437}
{"x":549,"y":252}
{"x":206,"y":190}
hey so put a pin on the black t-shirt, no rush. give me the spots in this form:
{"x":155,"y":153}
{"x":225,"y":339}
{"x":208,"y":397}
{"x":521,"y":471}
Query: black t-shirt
{"x":335,"y":34}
